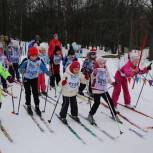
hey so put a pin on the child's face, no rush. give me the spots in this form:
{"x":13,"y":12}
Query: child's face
{"x":102,"y":64}
{"x":76,"y":70}
{"x":58,"y":52}
{"x":71,"y":56}
{"x":33,"y":58}
{"x":135,"y":62}
{"x":43,"y":51}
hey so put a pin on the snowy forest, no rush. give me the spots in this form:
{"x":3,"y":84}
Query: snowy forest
{"x":89,"y":22}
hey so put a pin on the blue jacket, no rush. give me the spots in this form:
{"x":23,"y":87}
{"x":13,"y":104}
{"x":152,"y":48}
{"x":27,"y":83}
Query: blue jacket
{"x":31,"y":69}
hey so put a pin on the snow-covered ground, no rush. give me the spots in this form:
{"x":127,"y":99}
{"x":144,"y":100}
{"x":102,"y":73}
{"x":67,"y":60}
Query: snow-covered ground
{"x":29,"y":139}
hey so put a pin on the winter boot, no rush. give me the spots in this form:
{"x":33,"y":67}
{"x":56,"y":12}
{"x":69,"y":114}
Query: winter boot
{"x":129,"y":106}
{"x":44,"y":93}
{"x":29,"y":110}
{"x":63,"y":120}
{"x":37,"y":110}
{"x":76,"y":118}
{"x":91,"y":119}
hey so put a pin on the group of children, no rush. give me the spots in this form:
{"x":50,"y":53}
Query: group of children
{"x":93,"y":72}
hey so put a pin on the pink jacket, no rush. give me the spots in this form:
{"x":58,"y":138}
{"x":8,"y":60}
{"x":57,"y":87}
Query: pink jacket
{"x":128,"y":70}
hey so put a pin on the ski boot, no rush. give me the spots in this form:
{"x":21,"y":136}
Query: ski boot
{"x":37,"y":110}
{"x":29,"y":110}
{"x":91,"y":119}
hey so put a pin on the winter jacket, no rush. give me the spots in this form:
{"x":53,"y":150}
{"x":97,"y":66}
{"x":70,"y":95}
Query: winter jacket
{"x":13,"y":55}
{"x":128,"y":70}
{"x":5,"y":74}
{"x":73,"y":82}
{"x":87,"y":67}
{"x":55,"y":64}
{"x":100,"y":78}
{"x":52,"y":44}
{"x":31,"y":69}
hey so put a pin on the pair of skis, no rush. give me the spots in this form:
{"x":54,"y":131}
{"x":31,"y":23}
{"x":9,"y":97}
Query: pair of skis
{"x":37,"y":123}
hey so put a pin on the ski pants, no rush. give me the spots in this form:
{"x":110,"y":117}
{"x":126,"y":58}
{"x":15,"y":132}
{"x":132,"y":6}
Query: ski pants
{"x":73,"y":104}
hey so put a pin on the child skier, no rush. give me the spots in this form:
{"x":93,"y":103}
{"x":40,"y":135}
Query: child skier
{"x":41,"y":78}
{"x":4,"y":62}
{"x":70,"y":84}
{"x":99,"y":79}
{"x":55,"y":61}
{"x":30,"y":68}
{"x":6,"y":76}
{"x":13,"y":56}
{"x":87,"y":68}
{"x":69,"y":58}
{"x":130,"y":69}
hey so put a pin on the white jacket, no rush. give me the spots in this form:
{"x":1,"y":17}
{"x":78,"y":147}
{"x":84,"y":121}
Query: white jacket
{"x":73,"y":82}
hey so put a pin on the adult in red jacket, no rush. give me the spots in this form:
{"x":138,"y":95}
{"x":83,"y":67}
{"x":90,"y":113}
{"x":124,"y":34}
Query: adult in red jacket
{"x":54,"y":42}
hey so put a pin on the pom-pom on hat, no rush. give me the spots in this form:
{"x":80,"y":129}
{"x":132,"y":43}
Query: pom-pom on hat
{"x":32,"y":52}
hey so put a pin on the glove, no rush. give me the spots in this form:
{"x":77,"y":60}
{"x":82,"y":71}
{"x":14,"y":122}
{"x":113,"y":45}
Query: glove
{"x":149,"y":66}
{"x":10,"y":79}
{"x":64,"y":82}
{"x":114,"y":83}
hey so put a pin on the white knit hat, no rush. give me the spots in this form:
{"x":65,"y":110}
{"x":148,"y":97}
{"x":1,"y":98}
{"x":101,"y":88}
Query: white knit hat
{"x":43,"y":46}
{"x":100,"y":60}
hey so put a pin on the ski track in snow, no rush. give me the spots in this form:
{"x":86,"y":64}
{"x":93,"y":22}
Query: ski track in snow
{"x":27,"y":138}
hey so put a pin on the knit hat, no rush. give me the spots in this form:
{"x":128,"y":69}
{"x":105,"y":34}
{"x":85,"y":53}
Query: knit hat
{"x":33,"y":52}
{"x":74,"y":65}
{"x":99,"y":61}
{"x":93,"y":49}
{"x":43,"y":46}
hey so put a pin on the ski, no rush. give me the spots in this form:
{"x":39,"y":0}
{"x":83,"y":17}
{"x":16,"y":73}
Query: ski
{"x":139,"y":112}
{"x":72,"y":130}
{"x":34,"y":120}
{"x":101,"y":130}
{"x":130,"y":129}
{"x":87,"y":129}
{"x":126,"y":119}
{"x":6,"y":134}
{"x":45,"y":123}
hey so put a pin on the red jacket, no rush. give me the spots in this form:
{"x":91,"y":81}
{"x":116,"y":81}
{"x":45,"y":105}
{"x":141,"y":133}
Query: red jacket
{"x":52,"y":44}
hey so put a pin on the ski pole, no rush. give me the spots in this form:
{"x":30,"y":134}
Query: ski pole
{"x":49,"y":121}
{"x":13,"y":112}
{"x":140,"y":92}
{"x":55,"y":92}
{"x":121,"y":132}
{"x":19,"y":99}
{"x":46,"y":94}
